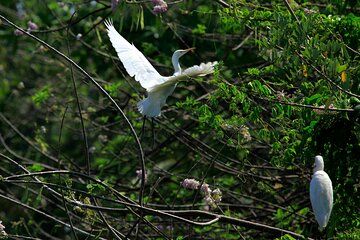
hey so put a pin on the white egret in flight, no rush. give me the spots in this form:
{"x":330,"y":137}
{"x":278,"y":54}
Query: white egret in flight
{"x":321,"y":193}
{"x":158,"y":87}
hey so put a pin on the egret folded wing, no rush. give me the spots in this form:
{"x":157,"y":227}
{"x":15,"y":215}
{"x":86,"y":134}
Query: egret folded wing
{"x":321,"y":196}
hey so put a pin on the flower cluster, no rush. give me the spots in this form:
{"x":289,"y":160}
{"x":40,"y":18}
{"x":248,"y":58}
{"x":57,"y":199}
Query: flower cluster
{"x":3,"y":234}
{"x":190,"y":183}
{"x":78,"y":36}
{"x":205,"y":189}
{"x":17,"y":32}
{"x":160,"y":6}
{"x":114,"y":4}
{"x":244,"y":131}
{"x":217,"y":195}
{"x":139,"y":174}
{"x":321,"y":112}
{"x":103,"y":138}
{"x":211,"y":197}
{"x":31,"y":27}
{"x":281,"y":95}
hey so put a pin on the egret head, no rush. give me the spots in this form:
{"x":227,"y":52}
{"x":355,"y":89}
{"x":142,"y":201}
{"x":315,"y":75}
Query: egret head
{"x":179,"y":53}
{"x":175,"y":59}
{"x":319,"y":163}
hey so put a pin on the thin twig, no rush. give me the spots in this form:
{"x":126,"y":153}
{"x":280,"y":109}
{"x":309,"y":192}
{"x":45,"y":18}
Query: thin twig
{"x":291,"y":11}
{"x":83,"y":130}
{"x":48,"y":216}
{"x":141,"y":153}
{"x":168,"y":213}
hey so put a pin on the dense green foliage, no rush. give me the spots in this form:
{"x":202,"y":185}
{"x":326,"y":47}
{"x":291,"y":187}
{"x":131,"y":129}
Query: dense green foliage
{"x":286,"y":89}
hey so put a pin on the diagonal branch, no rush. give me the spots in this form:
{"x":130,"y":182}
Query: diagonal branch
{"x":101,"y":89}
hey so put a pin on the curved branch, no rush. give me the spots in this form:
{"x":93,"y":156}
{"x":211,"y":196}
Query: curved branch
{"x":101,"y":89}
{"x":236,"y":221}
{"x":48,"y":216}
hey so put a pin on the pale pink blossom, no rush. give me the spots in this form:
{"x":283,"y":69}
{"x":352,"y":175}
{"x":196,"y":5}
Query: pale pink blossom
{"x":206,"y":207}
{"x":216,"y":195}
{"x":320,"y":112}
{"x":205,"y":189}
{"x":103,"y":138}
{"x":78,"y":36}
{"x":32,"y":26}
{"x":210,"y":201}
{"x":190,"y":183}
{"x":280,"y":95}
{"x":17,"y":32}
{"x":211,"y":198}
{"x":160,"y":6}
{"x":139,"y":174}
{"x":114,"y":4}
{"x":2,"y":231}
{"x":246,"y":134}
{"x":330,"y":106}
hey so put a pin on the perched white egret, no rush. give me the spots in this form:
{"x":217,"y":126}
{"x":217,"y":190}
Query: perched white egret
{"x":158,"y":87}
{"x":321,"y":193}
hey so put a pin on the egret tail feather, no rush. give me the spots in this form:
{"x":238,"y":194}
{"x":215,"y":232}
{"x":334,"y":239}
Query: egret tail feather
{"x":149,"y":108}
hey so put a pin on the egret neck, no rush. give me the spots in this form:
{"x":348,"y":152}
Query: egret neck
{"x":175,"y":60}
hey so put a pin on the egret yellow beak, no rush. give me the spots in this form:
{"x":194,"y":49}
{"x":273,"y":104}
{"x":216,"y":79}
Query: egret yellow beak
{"x":182,"y":52}
{"x":189,"y":49}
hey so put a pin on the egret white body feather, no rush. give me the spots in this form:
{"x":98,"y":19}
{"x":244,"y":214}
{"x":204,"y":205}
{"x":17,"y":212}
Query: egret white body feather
{"x":321,"y":193}
{"x":158,"y":87}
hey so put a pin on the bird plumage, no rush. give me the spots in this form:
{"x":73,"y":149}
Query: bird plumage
{"x":133,"y":60}
{"x":159,"y":88}
{"x":151,"y":105}
{"x":321,"y":193}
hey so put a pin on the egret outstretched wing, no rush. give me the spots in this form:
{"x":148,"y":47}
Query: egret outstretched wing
{"x":202,"y":70}
{"x":194,"y":71}
{"x":133,"y":60}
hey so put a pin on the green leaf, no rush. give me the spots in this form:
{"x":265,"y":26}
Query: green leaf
{"x":141,"y":16}
{"x":200,"y":29}
{"x":113,"y":89}
{"x":35,"y":168}
{"x":41,"y":96}
{"x":341,"y":68}
{"x":4,"y":89}
{"x":313,"y":98}
{"x":286,"y":237}
{"x":253,"y":71}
